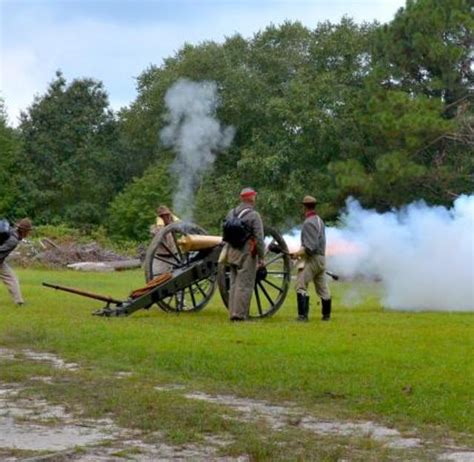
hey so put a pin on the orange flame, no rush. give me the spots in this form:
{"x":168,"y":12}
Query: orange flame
{"x":341,"y":247}
{"x":333,"y":246}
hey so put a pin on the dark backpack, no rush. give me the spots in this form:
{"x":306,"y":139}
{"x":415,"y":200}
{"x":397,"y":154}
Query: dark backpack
{"x":235,"y":231}
{"x":5,"y":230}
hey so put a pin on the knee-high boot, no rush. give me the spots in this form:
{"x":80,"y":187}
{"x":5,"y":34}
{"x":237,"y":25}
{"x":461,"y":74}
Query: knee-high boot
{"x":303,"y":306}
{"x":326,"y":309}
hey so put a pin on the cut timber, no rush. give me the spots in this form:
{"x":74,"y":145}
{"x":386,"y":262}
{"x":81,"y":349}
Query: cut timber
{"x":118,"y":265}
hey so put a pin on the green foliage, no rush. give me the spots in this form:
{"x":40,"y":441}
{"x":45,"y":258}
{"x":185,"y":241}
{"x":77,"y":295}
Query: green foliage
{"x":9,"y":161}
{"x":351,"y":177}
{"x":388,"y":170}
{"x":58,"y":233}
{"x":132,"y":212}
{"x":69,"y":136}
{"x":214,"y":196}
{"x":283,"y":90}
{"x":314,"y":114}
{"x":428,"y":47}
{"x":380,"y":112}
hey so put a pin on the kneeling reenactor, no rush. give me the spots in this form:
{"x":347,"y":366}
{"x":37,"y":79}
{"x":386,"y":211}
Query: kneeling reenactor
{"x":313,"y":264}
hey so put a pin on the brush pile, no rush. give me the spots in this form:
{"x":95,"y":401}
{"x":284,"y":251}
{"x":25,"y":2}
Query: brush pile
{"x":47,"y":253}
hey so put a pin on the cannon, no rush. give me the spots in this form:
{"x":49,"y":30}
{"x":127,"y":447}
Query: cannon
{"x":182,"y":271}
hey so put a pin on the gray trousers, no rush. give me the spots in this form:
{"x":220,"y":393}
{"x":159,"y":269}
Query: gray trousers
{"x":242,"y":283}
{"x":314,"y":270}
{"x":11,"y":281}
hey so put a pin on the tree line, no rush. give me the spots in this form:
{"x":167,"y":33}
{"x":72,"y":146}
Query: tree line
{"x":379,"y":112}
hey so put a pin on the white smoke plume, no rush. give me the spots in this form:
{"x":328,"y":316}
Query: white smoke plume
{"x":424,"y":256}
{"x":195,"y":135}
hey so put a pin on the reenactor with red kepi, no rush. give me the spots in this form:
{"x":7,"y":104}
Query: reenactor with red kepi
{"x":244,"y":252}
{"x":313,"y":262}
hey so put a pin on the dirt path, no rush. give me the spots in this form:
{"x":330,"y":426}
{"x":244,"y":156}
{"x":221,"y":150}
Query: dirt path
{"x":38,"y":430}
{"x":34,"y":430}
{"x":288,"y":414}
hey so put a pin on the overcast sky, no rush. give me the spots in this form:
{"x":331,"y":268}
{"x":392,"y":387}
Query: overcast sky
{"x":115,"y":40}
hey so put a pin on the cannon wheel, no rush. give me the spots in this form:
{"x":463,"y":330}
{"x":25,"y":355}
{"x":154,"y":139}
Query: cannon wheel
{"x":163,"y":254}
{"x":272,"y":282}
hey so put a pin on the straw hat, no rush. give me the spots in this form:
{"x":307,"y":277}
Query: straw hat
{"x":309,"y":200}
{"x":25,"y":224}
{"x":163,"y":210}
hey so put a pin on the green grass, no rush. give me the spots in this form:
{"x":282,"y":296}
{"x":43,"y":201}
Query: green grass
{"x":400,"y":368}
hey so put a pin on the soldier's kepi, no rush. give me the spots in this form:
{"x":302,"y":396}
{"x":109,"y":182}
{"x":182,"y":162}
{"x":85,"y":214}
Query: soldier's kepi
{"x":312,"y":266}
{"x":243,"y":254}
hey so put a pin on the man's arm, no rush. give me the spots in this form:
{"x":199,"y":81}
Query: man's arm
{"x":257,"y":230}
{"x":7,"y":247}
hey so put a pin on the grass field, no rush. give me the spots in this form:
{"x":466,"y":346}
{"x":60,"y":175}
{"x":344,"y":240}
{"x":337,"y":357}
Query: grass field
{"x":409,"y":370}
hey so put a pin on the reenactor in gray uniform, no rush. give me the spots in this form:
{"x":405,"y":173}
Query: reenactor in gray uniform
{"x":243,"y":261}
{"x":7,"y":275}
{"x":313,"y":262}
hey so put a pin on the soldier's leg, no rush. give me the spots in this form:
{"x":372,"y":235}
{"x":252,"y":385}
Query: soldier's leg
{"x":322,"y":288}
{"x":302,"y":297}
{"x":244,"y":286}
{"x":11,"y":281}
{"x":232,"y":286}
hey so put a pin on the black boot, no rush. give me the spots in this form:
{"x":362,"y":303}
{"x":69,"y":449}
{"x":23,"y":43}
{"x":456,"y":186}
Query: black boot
{"x":306,"y":308}
{"x":326,"y":309}
{"x":303,"y":306}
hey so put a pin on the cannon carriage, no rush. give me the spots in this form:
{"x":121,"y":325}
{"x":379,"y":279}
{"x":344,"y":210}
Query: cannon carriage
{"x":182,"y":272}
{"x":178,"y":244}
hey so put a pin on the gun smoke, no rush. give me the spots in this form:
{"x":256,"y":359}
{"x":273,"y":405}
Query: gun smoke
{"x":423,"y":256}
{"x":195,"y":135}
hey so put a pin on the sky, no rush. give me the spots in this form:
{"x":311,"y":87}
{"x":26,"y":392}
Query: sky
{"x":114,"y":41}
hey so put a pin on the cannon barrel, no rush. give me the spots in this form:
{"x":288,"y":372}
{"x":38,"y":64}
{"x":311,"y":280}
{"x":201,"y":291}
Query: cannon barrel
{"x":191,"y":242}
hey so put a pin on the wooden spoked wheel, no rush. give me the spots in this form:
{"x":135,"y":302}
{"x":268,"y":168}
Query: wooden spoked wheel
{"x":272,"y":281}
{"x":164,"y":255}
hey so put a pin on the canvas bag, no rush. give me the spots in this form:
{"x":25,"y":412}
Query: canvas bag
{"x":5,"y":230}
{"x":235,"y":231}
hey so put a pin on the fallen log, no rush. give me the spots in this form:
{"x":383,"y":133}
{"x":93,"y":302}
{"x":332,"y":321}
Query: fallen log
{"x":119,"y":265}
